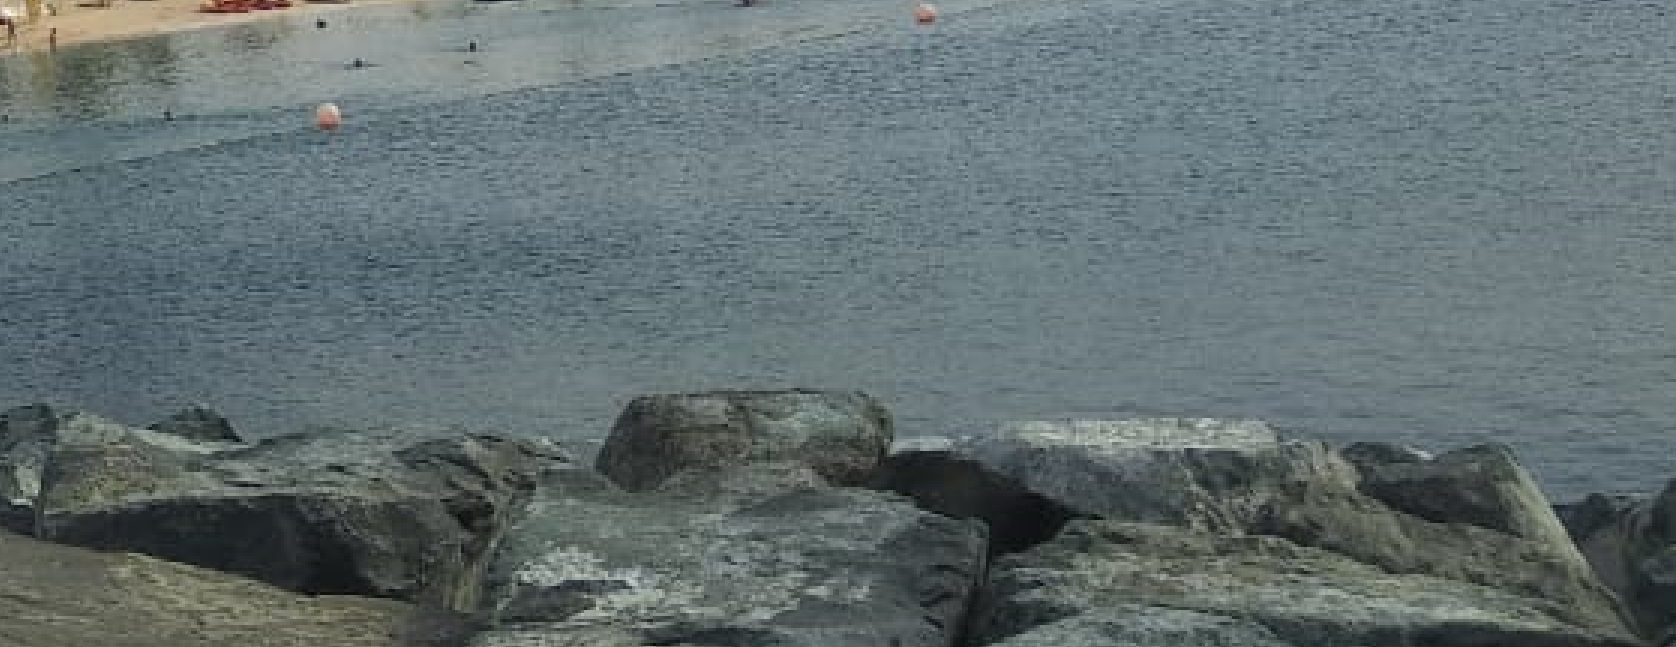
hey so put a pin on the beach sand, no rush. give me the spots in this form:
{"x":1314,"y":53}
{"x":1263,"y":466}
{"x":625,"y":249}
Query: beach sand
{"x":83,"y":21}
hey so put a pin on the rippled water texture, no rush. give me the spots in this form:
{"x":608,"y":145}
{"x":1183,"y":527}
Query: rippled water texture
{"x":1430,"y":221}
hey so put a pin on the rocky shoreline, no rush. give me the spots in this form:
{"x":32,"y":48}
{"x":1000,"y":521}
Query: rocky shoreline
{"x":793,"y":518}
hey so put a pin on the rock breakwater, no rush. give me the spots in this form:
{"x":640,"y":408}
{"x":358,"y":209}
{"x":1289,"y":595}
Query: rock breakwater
{"x":782,"y":518}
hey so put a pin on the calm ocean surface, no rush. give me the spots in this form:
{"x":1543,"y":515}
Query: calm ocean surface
{"x":1437,"y":222}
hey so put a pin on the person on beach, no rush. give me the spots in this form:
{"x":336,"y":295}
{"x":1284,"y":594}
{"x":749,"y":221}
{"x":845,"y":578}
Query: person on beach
{"x":9,"y":19}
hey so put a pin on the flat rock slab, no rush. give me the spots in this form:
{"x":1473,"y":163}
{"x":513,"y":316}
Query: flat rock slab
{"x":820,"y":566}
{"x":1099,"y":576}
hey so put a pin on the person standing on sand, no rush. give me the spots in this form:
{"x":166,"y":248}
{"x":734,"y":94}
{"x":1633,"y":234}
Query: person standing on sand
{"x":9,"y":19}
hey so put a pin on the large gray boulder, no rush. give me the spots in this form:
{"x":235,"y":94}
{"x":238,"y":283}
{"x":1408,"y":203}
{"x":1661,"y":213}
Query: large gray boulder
{"x":389,"y":513}
{"x":1631,"y":542}
{"x":1205,"y":473}
{"x":1472,"y":516}
{"x":1118,"y":583}
{"x":1597,"y":512}
{"x":764,"y":555}
{"x":1356,"y":526}
{"x":1482,"y":486}
{"x":842,"y":435}
{"x":29,"y":434}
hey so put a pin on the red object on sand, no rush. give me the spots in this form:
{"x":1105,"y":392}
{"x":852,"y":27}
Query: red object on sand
{"x":225,"y":6}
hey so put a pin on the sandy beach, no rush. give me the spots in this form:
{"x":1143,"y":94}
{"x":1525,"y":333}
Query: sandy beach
{"x":83,"y":21}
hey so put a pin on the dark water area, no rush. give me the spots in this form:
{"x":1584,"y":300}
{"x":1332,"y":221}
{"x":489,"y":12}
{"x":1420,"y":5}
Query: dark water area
{"x":1421,"y":221}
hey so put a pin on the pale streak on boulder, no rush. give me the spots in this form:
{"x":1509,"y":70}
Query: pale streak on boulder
{"x":381,"y":512}
{"x":1247,"y":591}
{"x":761,"y":555}
{"x":842,"y":435}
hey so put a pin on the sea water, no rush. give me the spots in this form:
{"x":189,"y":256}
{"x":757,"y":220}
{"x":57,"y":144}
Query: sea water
{"x":1434,"y":222}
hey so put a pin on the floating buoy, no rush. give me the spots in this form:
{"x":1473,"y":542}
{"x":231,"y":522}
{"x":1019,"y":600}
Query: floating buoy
{"x":924,"y":13}
{"x":327,"y":116}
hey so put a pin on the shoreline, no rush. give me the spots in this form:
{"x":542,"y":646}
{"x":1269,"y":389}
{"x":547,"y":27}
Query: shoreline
{"x":84,"y":22}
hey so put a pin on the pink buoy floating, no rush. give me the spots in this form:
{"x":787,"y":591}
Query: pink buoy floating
{"x":328,"y":117}
{"x":924,"y":13}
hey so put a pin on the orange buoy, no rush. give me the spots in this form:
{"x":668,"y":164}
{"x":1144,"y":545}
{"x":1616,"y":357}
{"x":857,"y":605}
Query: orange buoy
{"x":924,"y":13}
{"x":327,"y":116}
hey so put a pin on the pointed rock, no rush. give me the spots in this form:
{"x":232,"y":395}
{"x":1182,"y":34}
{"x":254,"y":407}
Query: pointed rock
{"x":199,"y":423}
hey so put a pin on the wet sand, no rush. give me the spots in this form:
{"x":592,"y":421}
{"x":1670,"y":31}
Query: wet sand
{"x":84,"y":21}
